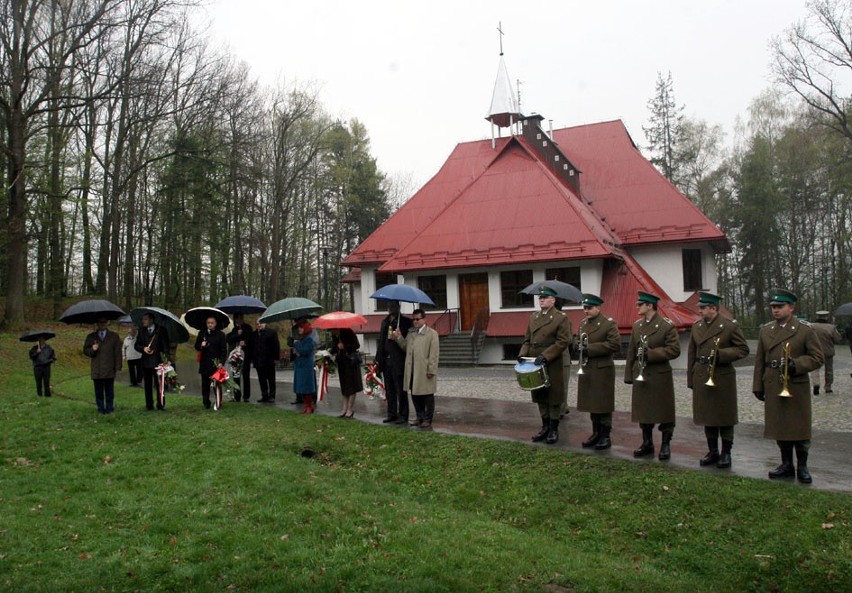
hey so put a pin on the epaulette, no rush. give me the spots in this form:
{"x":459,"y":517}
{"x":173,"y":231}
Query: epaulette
{"x":767,"y":324}
{"x":667,"y":320}
{"x":610,"y":319}
{"x":804,"y":322}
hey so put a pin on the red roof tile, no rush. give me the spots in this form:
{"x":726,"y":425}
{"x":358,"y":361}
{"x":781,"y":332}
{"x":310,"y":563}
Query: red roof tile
{"x":628,"y":192}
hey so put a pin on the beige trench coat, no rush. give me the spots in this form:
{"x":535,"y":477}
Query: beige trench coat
{"x":653,"y":399}
{"x":786,"y":418}
{"x":714,"y":406}
{"x":421,"y":359}
{"x":596,"y":386}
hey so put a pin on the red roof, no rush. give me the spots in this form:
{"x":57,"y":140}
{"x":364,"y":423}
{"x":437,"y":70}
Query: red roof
{"x":628,"y":192}
{"x":516,"y":210}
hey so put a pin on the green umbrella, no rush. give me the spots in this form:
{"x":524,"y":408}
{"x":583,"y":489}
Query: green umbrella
{"x":290,"y":308}
{"x":178,"y":334}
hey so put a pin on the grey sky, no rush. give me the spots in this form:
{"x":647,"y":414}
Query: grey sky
{"x":419,"y":75}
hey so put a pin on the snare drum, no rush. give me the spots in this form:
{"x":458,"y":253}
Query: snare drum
{"x":530,"y":375}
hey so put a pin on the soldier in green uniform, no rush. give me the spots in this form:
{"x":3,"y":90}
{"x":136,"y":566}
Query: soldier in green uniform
{"x":597,"y":341}
{"x":653,"y":344}
{"x":547,"y":337}
{"x":787,"y":350}
{"x":715,"y":343}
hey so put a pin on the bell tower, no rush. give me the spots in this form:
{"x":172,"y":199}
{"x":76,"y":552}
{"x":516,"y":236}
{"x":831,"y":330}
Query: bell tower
{"x":504,"y":111}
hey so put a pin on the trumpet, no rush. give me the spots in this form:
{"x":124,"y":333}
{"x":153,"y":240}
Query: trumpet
{"x":785,"y":373}
{"x":584,"y":343}
{"x":711,"y":367}
{"x":642,"y":357}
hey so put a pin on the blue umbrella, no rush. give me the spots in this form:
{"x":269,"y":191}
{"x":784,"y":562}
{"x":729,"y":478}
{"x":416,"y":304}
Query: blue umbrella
{"x":241,"y":303}
{"x":402,"y":292}
{"x":178,"y":334}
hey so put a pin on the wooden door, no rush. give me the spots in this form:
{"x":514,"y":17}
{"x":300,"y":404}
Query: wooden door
{"x":473,"y":297}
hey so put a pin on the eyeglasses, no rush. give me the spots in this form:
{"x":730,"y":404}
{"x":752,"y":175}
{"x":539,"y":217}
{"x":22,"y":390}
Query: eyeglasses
{"x":417,"y":318}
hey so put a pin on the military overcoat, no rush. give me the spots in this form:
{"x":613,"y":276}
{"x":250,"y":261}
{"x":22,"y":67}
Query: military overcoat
{"x":596,"y":386}
{"x":548,"y":334}
{"x":714,"y":405}
{"x":653,"y":399}
{"x":786,"y":418}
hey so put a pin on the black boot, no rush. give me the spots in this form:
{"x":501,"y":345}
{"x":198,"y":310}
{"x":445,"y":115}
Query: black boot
{"x":713,"y":456}
{"x":785,"y":470}
{"x":665,"y":448}
{"x":596,"y":434}
{"x":542,"y":434}
{"x":553,"y":433}
{"x":725,"y":457}
{"x":604,"y":442}
{"x":647,"y":446}
{"x":802,"y":473}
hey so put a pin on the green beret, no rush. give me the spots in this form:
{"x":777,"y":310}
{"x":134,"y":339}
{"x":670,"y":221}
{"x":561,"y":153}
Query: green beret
{"x":647,"y":297}
{"x":592,"y":299}
{"x":782,"y":297}
{"x":708,"y":298}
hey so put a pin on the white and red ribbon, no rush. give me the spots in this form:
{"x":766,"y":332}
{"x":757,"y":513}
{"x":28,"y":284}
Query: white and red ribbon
{"x":218,"y":378}
{"x":162,"y":369}
{"x":322,"y":383}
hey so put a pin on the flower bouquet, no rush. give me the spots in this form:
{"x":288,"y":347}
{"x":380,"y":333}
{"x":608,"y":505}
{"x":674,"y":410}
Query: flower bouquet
{"x":235,"y":362}
{"x":373,"y":386}
{"x":217,"y":382}
{"x":325,"y":366}
{"x":167,"y":379}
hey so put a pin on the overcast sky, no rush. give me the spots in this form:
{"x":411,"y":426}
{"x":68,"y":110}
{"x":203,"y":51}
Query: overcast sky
{"x":420,"y":75}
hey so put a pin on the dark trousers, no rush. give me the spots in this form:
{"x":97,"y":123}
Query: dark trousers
{"x":397,"y":398}
{"x":205,"y":390}
{"x":266,"y":378}
{"x":149,"y":379}
{"x":424,"y":406}
{"x":134,"y":369}
{"x":244,"y":392}
{"x":42,"y":377}
{"x":104,"y":395}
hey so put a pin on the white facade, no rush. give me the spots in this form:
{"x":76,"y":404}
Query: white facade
{"x":665,"y":265}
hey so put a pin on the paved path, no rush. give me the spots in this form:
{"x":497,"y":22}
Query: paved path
{"x":486,"y":402}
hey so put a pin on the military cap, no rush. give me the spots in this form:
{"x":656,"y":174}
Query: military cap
{"x":822,"y":313}
{"x":708,"y":298}
{"x":779,"y":296}
{"x":647,"y":297}
{"x":592,"y":299}
{"x":546,"y":291}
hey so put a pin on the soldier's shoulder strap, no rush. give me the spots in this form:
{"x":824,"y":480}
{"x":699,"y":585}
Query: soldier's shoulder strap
{"x":610,"y":319}
{"x":667,"y":320}
{"x":804,"y":322}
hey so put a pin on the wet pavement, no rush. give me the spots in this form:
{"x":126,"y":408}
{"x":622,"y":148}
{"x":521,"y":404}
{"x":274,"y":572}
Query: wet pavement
{"x":485,"y":402}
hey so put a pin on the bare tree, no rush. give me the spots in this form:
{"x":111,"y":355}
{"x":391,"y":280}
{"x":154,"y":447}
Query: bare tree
{"x":813,"y":59}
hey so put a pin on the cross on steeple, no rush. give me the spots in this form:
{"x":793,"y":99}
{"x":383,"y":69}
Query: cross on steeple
{"x":500,"y":31}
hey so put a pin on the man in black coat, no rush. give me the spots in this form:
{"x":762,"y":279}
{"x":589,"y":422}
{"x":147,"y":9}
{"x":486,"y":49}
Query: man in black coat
{"x":212,"y":345}
{"x":391,"y":360}
{"x":242,"y":336}
{"x":266,"y":352}
{"x":153,"y":343}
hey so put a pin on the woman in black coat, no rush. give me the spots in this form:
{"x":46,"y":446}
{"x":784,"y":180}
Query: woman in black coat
{"x":212,"y":346}
{"x":345,"y":348}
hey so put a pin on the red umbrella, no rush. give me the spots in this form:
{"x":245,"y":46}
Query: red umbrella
{"x":338,"y":320}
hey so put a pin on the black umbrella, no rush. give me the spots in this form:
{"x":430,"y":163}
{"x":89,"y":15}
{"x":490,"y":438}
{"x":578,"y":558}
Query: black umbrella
{"x":241,"y":303}
{"x":90,"y":311}
{"x":563,"y":290}
{"x":197,"y":317}
{"x":34,"y":335}
{"x":177,"y":332}
{"x":844,"y":309}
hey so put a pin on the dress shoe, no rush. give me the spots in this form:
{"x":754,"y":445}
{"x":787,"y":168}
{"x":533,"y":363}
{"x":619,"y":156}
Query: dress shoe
{"x":709,"y":459}
{"x":415,"y":423}
{"x":785,"y":470}
{"x":427,"y":425}
{"x":401,"y":421}
{"x":803,"y":475}
{"x":389,"y":420}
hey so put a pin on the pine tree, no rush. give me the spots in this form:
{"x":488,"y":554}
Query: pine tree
{"x":665,"y":130}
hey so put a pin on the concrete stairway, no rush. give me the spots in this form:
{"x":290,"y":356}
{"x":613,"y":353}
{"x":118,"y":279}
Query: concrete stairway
{"x":457,"y":350}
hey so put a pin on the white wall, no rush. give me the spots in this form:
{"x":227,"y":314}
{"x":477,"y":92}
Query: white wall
{"x":665,"y":266}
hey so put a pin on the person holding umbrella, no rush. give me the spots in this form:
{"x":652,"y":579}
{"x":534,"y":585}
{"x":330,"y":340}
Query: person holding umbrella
{"x":153,"y":343}
{"x":103,"y":347}
{"x":267,"y":352}
{"x":43,"y":357}
{"x":345,"y":348}
{"x":304,"y":378}
{"x":212,"y":347}
{"x":391,"y":359}
{"x":242,"y":336}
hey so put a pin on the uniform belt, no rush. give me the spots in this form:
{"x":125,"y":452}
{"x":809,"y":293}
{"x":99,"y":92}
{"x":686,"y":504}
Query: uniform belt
{"x":704,"y":359}
{"x":542,"y":344}
{"x":774,"y":364}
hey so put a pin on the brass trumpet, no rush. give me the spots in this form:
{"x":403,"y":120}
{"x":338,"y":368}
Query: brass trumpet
{"x":583,"y":344}
{"x":785,"y":373}
{"x":711,"y":366}
{"x":642,"y":357}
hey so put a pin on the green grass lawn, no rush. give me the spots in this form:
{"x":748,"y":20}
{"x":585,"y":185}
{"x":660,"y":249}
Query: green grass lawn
{"x":194,"y":500}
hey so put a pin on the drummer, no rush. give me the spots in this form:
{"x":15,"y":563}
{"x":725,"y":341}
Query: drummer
{"x":547,"y":337}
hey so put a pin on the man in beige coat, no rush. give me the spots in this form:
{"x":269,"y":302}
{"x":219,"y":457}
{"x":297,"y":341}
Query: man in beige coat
{"x":420,"y":378}
{"x":787,"y":350}
{"x":828,"y":337}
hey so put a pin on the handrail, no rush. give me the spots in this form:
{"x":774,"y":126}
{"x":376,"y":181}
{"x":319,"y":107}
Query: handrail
{"x":448,"y":313}
{"x":477,"y":332}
